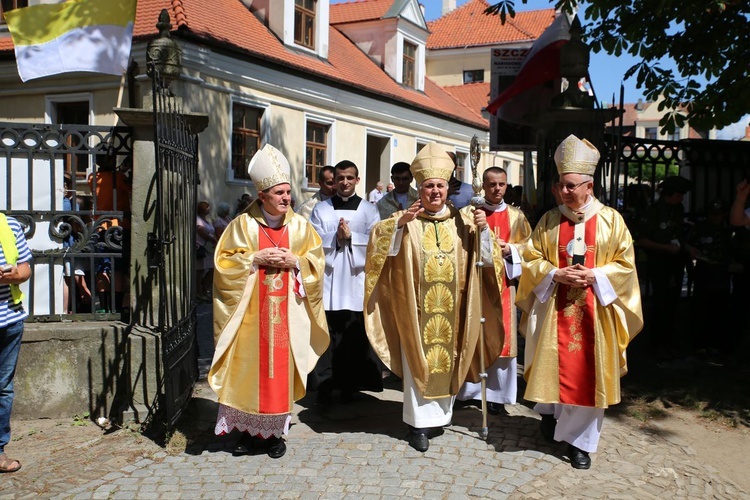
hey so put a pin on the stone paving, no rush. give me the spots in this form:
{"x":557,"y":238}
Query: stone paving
{"x":358,"y":450}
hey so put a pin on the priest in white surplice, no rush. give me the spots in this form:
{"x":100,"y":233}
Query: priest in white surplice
{"x":344,"y":223}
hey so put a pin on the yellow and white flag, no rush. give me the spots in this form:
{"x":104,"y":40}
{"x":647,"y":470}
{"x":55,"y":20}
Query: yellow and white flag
{"x":77,"y":35}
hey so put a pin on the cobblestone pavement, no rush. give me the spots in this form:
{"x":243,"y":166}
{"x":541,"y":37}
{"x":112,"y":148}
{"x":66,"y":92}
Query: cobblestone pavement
{"x":356,"y":450}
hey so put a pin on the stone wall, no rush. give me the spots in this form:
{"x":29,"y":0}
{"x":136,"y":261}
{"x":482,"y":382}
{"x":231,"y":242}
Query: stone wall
{"x":68,"y":369}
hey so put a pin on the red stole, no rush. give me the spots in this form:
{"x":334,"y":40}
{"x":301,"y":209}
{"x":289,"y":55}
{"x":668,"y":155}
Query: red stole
{"x":499,"y":222}
{"x":273,"y":366}
{"x":575,"y":324}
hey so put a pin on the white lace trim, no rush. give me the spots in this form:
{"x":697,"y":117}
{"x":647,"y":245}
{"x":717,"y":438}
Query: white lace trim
{"x":261,"y":425}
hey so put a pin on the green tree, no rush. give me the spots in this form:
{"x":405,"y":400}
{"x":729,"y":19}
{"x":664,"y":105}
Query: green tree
{"x":708,"y":41}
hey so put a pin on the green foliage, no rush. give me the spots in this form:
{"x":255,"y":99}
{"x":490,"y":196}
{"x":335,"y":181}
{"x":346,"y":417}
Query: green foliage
{"x":646,"y":175}
{"x":707,"y":40}
{"x":81,"y":420}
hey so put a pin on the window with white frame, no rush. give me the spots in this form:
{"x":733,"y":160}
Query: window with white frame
{"x":461,"y":162}
{"x":245,"y":137}
{"x":409,"y":74}
{"x":474,"y":76}
{"x":316,"y":150}
{"x":304,"y":23}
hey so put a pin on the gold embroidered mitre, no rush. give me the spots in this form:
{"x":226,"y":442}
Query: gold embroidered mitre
{"x":432,"y":162}
{"x":575,"y":156}
{"x":268,"y":167}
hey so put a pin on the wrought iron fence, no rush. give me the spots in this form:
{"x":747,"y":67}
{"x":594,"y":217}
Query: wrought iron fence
{"x":69,"y":186}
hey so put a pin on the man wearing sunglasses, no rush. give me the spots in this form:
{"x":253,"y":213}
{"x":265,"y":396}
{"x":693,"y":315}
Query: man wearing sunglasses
{"x":580,"y":295}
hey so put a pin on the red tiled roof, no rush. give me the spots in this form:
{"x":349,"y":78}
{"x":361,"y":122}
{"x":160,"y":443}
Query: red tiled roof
{"x":475,"y":96}
{"x":229,"y":25}
{"x":469,"y":25}
{"x":358,"y":10}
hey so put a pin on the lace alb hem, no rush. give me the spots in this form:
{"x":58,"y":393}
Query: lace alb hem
{"x":261,"y":425}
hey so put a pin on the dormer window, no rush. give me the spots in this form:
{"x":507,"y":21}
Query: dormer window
{"x":410,"y":64}
{"x":304,"y":23}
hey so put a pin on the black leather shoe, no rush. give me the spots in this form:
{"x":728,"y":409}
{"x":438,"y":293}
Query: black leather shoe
{"x":276,"y":447}
{"x":579,"y":459}
{"x":419,"y":441}
{"x":494,"y":408}
{"x":244,"y":446}
{"x":547,"y":427}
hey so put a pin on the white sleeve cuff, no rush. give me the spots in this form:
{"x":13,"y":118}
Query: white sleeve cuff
{"x":513,"y":263}
{"x":603,"y":288}
{"x":543,"y":290}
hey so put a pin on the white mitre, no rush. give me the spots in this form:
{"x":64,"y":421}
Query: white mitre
{"x":575,"y":156}
{"x":268,"y":167}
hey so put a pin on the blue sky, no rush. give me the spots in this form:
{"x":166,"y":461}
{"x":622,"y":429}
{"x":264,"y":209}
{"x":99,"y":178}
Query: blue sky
{"x":607,"y":72}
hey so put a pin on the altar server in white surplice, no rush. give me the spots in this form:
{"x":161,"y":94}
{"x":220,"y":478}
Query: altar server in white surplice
{"x":344,"y":223}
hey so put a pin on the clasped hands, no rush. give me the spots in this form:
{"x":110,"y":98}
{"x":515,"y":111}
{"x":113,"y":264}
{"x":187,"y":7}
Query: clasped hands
{"x":577,"y":276}
{"x":275,"y":257}
{"x":343,"y":232}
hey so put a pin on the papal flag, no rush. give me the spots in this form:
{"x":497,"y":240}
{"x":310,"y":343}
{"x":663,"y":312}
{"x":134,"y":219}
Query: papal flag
{"x":77,"y":35}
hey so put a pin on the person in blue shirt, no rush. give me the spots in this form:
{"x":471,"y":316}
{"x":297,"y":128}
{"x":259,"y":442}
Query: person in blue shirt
{"x":14,"y":270}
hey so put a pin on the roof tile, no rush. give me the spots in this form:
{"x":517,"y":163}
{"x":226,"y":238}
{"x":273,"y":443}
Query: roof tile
{"x":475,"y":96}
{"x":358,"y":11}
{"x":469,"y":25}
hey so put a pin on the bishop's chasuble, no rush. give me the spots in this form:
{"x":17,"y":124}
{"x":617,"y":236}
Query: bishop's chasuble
{"x":575,"y":339}
{"x":425,"y":299}
{"x":269,"y":331}
{"x":499,"y":309}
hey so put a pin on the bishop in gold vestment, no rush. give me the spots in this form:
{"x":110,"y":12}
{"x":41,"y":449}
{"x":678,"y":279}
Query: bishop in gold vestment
{"x":580,"y":295}
{"x":422,"y":295}
{"x":269,"y":324}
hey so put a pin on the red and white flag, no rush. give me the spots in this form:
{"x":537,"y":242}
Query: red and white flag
{"x":541,"y":65}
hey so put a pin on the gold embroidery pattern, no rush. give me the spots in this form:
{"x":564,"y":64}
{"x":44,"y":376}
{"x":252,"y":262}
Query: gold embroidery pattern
{"x":438,"y":268}
{"x":438,"y":299}
{"x":574,"y":309}
{"x":437,"y":238}
{"x":274,"y":320}
{"x":274,"y":281}
{"x":438,"y":360}
{"x":437,"y":330}
{"x":376,"y":260}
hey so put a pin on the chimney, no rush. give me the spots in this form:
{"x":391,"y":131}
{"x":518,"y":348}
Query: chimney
{"x":448,"y":5}
{"x":639,"y":105}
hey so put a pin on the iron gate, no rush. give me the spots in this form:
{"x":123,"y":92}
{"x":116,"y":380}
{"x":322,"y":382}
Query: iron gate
{"x":69,"y":187}
{"x":172,"y":246}
{"x":635,"y":168}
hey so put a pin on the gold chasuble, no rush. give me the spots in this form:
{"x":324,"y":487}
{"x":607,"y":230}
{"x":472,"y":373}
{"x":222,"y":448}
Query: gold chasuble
{"x":499,"y":309}
{"x":575,"y":346}
{"x":425,"y":299}
{"x":268,"y":334}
